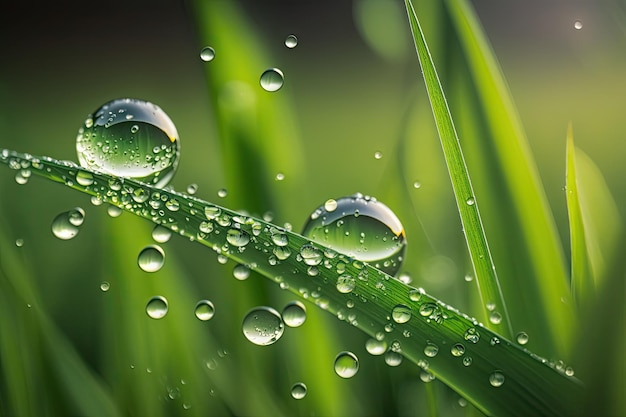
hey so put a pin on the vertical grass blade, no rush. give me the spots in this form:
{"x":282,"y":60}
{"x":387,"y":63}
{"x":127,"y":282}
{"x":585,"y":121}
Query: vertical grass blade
{"x":542,"y":276}
{"x":478,"y":247}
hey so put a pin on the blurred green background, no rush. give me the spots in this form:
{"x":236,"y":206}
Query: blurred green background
{"x":352,"y":88}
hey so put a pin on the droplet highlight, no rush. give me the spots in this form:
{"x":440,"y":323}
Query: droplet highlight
{"x":291,"y":41}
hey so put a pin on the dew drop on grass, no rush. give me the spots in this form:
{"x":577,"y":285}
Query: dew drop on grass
{"x":361,"y":227}
{"x":272,"y":79}
{"x":157,"y":307}
{"x":294,"y":314}
{"x":467,"y":361}
{"x":241,"y":272}
{"x":426,"y":376}
{"x":495,"y":317}
{"x":470,"y":201}
{"x":151,"y":258}
{"x":204,"y":310}
{"x":346,"y":283}
{"x":496,"y":379}
{"x":431,"y":350}
{"x":84,"y":178}
{"x":66,"y":225}
{"x":471,"y":335}
{"x":192,"y":189}
{"x":393,"y":358}
{"x":222,"y":192}
{"x":161,"y":234}
{"x":522,"y":338}
{"x":462,"y":402}
{"x":263,"y":326}
{"x":375,"y":347}
{"x":207,"y":54}
{"x":19,"y":242}
{"x":378,"y":155}
{"x":401,"y":313}
{"x":578,"y":24}
{"x":457,"y":350}
{"x":346,"y":364}
{"x":130,"y":138}
{"x":105,"y":286}
{"x":280,"y":176}
{"x":291,"y":41}
{"x":114,"y":211}
{"x":417,"y":185}
{"x":298,"y":391}
{"x":238,"y":237}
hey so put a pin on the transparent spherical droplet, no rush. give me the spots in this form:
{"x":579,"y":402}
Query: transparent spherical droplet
{"x":330,"y":205}
{"x":496,"y":379}
{"x":495,"y":317}
{"x":294,"y":314}
{"x":157,"y":307}
{"x":569,"y":371}
{"x":129,"y":138}
{"x":237,"y":237}
{"x":192,"y":189}
{"x":378,"y":155}
{"x":66,"y":225}
{"x":105,"y":286}
{"x":298,"y":391}
{"x":431,"y":350}
{"x":417,"y":185}
{"x":578,"y":24}
{"x":457,"y":350}
{"x":471,"y":335}
{"x":207,"y":54}
{"x":263,"y":326}
{"x":361,"y":227}
{"x":280,"y":176}
{"x":375,"y":346}
{"x":291,"y":41}
{"x":311,"y":255}
{"x":241,"y":272}
{"x":222,"y":192}
{"x":114,"y":211}
{"x":467,"y":361}
{"x":151,"y":258}
{"x":426,"y":376}
{"x":393,"y":358}
{"x":462,"y":402}
{"x":346,"y":283}
{"x":470,"y":201}
{"x":280,"y":239}
{"x":84,"y":178}
{"x":161,"y":234}
{"x":204,"y":310}
{"x":19,"y":242}
{"x":346,"y":364}
{"x":272,"y":79}
{"x":401,"y":313}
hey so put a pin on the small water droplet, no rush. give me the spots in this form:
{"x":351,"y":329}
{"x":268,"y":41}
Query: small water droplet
{"x":294,"y":314}
{"x":298,"y":391}
{"x":237,"y":237}
{"x":472,"y":335}
{"x":431,"y":350}
{"x":114,"y":211}
{"x":280,"y":176}
{"x":151,"y":258}
{"x":578,"y":24}
{"x":470,"y":201}
{"x":66,"y":225}
{"x":84,"y":178}
{"x":346,"y":364}
{"x":161,"y":234}
{"x":457,"y":350}
{"x":241,"y":272}
{"x":393,"y":358}
{"x":157,"y":307}
{"x":401,"y":313}
{"x":222,"y":192}
{"x":417,"y":185}
{"x":426,"y":376}
{"x":207,"y":54}
{"x":496,"y":379}
{"x":569,"y":371}
{"x":311,"y":255}
{"x":467,"y":361}
{"x":272,"y":79}
{"x":263,"y":326}
{"x":522,"y":338}
{"x":105,"y":286}
{"x":375,"y":346}
{"x":330,"y":205}
{"x":204,"y":310}
{"x":462,"y":402}
{"x":192,"y":189}
{"x":346,"y":283}
{"x":19,"y":242}
{"x":291,"y":41}
{"x":378,"y":155}
{"x":495,"y":317}
{"x":468,"y":278}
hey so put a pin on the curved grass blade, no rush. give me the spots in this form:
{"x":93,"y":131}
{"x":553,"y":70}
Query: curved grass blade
{"x":480,"y":255}
{"x":455,"y":348}
{"x":543,"y":277}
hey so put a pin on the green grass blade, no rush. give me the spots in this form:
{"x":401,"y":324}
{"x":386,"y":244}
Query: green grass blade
{"x":478,"y":247}
{"x":543,"y":278}
{"x":532,"y":386}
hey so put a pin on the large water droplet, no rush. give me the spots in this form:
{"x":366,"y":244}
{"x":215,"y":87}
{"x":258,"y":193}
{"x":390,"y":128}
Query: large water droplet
{"x":346,"y":283}
{"x":346,"y":364}
{"x":401,"y":313}
{"x":298,"y":391}
{"x":204,"y":310}
{"x":457,"y":350}
{"x":431,"y":350}
{"x":157,"y":307}
{"x":522,"y":338}
{"x":496,"y":379}
{"x":294,"y":314}
{"x":207,"y":54}
{"x":237,"y":237}
{"x":361,"y":227}
{"x":272,"y":79}
{"x":161,"y":234}
{"x":130,"y":138}
{"x":263,"y":326}
{"x":151,"y":258}
{"x":375,"y":346}
{"x":241,"y":272}
{"x":291,"y":41}
{"x":66,"y":225}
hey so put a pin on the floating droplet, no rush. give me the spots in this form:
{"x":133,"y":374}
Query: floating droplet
{"x":192,"y":189}
{"x":241,"y":272}
{"x":161,"y":234}
{"x":294,"y":314}
{"x":207,"y":54}
{"x":393,"y":358}
{"x":272,"y":79}
{"x":298,"y":391}
{"x":204,"y":310}
{"x":263,"y":326}
{"x":66,"y":225}
{"x":496,"y":379}
{"x":401,"y":313}
{"x":19,"y":242}
{"x":114,"y":211}
{"x":361,"y":227}
{"x":375,"y":346}
{"x":346,"y":364}
{"x":472,"y":335}
{"x":237,"y":237}
{"x":151,"y":258}
{"x":291,"y":41}
{"x":495,"y":317}
{"x":280,"y":176}
{"x":378,"y":155}
{"x":522,"y":338}
{"x":470,"y":201}
{"x":105,"y":286}
{"x":457,"y":350}
{"x":578,"y":24}
{"x":157,"y":307}
{"x":106,"y":141}
{"x":431,"y":350}
{"x":221,"y":193}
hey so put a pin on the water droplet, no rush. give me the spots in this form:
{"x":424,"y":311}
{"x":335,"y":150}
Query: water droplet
{"x":470,"y":201}
{"x":84,"y":178}
{"x":106,"y":142}
{"x":417,"y":185}
{"x":311,"y":255}
{"x":393,"y":358}
{"x":522,"y":338}
{"x":426,"y":376}
{"x":375,"y":346}
{"x":161,"y":234}
{"x":291,"y":41}
{"x":495,"y":317}
{"x":431,"y":350}
{"x":496,"y":379}
{"x":66,"y":225}
{"x":472,"y":335}
{"x":280,"y":239}
{"x":294,"y":314}
{"x":298,"y":391}
{"x":346,"y":364}
{"x":222,"y":192}
{"x":207,"y":54}
{"x":19,"y":242}
{"x":157,"y":307}
{"x":241,"y":272}
{"x":114,"y":211}
{"x":263,"y":326}
{"x":272,"y":79}
{"x":237,"y":237}
{"x":346,"y":283}
{"x":569,"y":371}
{"x":462,"y":402}
{"x":468,"y":278}
{"x":204,"y":310}
{"x":457,"y":350}
{"x":151,"y":258}
{"x":378,"y":155}
{"x":192,"y":189}
{"x":578,"y":24}
{"x":361,"y":227}
{"x":280,"y":176}
{"x":105,"y":286}
{"x":401,"y":313}
{"x":467,"y":361}
{"x":405,"y":278}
